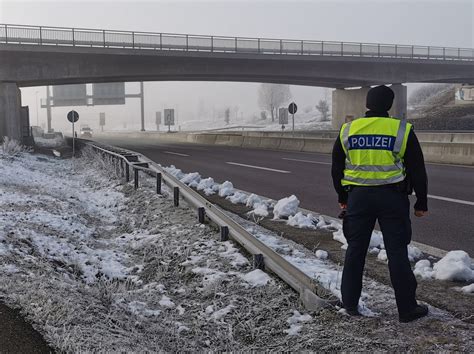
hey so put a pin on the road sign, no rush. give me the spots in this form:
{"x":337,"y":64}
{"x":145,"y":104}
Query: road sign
{"x":158,"y":118}
{"x":73,"y":116}
{"x":169,"y":117}
{"x":101,"y":119}
{"x":292,"y":108}
{"x":283,"y":115}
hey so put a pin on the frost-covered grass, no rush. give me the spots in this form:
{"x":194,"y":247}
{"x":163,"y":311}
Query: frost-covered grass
{"x":57,"y":141}
{"x":97,"y":266}
{"x":11,"y":148}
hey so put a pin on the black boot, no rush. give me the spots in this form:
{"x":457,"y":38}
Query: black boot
{"x":418,"y":312}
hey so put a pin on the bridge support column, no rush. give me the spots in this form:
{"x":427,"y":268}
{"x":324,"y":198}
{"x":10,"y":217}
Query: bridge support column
{"x":350,"y":104}
{"x":10,"y":111}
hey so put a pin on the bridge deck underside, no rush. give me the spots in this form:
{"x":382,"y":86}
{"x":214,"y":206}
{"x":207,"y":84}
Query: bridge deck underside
{"x":30,"y":65}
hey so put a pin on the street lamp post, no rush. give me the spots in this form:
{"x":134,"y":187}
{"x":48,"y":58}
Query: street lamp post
{"x":37,"y":115}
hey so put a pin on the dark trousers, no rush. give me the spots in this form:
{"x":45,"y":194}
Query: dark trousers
{"x":391,"y":208}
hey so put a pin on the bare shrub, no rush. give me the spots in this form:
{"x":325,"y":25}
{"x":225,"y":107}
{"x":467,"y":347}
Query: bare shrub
{"x":12,"y":147}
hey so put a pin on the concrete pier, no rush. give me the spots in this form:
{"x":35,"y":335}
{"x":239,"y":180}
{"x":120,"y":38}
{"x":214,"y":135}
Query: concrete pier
{"x":10,"y":111}
{"x":348,"y":104}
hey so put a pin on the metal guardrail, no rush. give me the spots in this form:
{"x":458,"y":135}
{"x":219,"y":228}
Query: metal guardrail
{"x":124,"y":160}
{"x":82,"y":37}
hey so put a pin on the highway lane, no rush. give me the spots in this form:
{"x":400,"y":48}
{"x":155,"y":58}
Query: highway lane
{"x":277,"y":174}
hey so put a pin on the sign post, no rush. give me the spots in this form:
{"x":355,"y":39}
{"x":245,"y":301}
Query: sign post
{"x":283,"y":117}
{"x":158,"y":121}
{"x":73,"y":117}
{"x":292,"y":108}
{"x":169,"y":118}
{"x":102,"y":121}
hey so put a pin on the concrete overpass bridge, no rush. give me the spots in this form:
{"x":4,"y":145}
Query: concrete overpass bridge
{"x":37,"y":55}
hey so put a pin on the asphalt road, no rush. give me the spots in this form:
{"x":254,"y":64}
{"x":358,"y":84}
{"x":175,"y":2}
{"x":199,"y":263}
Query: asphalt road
{"x":449,"y":225}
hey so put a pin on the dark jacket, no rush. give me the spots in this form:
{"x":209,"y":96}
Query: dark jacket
{"x":414,"y":165}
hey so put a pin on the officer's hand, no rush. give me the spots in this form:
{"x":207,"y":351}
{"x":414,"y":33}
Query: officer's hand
{"x":420,"y":213}
{"x":343,"y":205}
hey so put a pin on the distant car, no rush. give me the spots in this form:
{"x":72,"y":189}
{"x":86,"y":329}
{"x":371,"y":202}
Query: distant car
{"x":86,"y":132}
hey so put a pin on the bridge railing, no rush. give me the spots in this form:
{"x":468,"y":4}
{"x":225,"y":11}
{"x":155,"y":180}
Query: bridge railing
{"x":80,"y":37}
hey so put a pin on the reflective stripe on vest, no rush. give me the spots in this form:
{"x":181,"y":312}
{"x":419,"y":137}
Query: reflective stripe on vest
{"x":374,"y":150}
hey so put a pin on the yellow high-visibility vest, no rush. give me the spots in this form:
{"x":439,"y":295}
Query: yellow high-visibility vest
{"x":374,"y":148}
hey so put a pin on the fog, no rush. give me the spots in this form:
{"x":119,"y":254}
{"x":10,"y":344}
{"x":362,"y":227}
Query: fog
{"x":437,"y":23}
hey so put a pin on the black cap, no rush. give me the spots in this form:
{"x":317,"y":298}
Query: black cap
{"x":380,"y":99}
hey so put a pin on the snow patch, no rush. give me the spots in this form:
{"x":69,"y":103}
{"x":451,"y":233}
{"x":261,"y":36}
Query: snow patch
{"x":286,"y":207}
{"x":238,"y":198}
{"x":321,"y":254}
{"x":295,"y":323}
{"x":226,"y":189}
{"x":256,"y":278}
{"x":302,"y":221}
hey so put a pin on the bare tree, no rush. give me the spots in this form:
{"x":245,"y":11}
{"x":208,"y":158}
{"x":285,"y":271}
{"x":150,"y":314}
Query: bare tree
{"x":423,"y":93}
{"x":273,"y":96}
{"x":323,"y":108}
{"x":227,"y":116}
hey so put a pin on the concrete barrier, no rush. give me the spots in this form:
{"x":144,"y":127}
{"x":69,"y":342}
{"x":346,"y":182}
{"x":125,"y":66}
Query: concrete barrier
{"x":291,"y":144}
{"x":450,"y":153}
{"x":318,"y":145}
{"x":223,"y":139}
{"x":207,"y":139}
{"x":251,"y":142}
{"x":440,"y":151}
{"x":236,"y":140}
{"x":445,"y":137}
{"x":269,"y":143}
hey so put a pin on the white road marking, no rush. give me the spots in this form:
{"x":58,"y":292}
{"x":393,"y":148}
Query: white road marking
{"x":459,"y":201}
{"x":258,"y":167}
{"x":448,"y":165}
{"x":307,"y":161}
{"x":175,"y":153}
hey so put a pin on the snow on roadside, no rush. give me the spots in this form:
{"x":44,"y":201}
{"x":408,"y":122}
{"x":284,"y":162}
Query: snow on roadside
{"x":96,"y":266}
{"x":286,"y":207}
{"x":181,"y":287}
{"x":454,"y":266}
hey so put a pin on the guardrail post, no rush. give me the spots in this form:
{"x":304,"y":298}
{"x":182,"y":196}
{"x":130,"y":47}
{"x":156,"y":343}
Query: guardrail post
{"x":459,"y":53}
{"x":378,"y":49}
{"x":412,"y":51}
{"x":302,"y":47}
{"x":6,"y":34}
{"x":322,"y":48}
{"x":133,"y":40}
{"x":135,"y":178}
{"x":176,"y":196}
{"x":41,"y":35}
{"x":342,"y":49}
{"x":258,"y":262}
{"x":212,"y":43}
{"x":161,"y":41}
{"x":224,"y":233}
{"x":158,"y":183}
{"x":187,"y":43}
{"x":396,"y":51}
{"x":127,"y":172}
{"x":236,"y":44}
{"x":73,"y":39}
{"x":444,"y":53}
{"x":360,"y":49}
{"x":201,"y":215}
{"x":103,"y":35}
{"x":429,"y":52}
{"x":281,"y":46}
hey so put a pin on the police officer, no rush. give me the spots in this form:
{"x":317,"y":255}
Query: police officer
{"x":376,"y":162}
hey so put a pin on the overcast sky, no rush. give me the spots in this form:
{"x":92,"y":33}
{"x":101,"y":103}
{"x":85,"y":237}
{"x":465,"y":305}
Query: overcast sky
{"x":436,"y":23}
